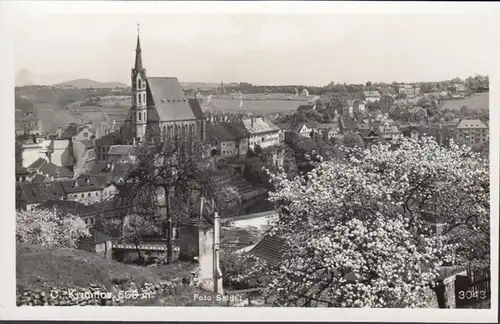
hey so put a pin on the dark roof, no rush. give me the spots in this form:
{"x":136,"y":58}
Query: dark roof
{"x":87,"y":143}
{"x":121,"y":150}
{"x":70,"y":131}
{"x":21,"y":170}
{"x":348,"y":123}
{"x":99,"y":167}
{"x":170,"y":102}
{"x":82,"y":185}
{"x":39,"y":178}
{"x":270,"y":249}
{"x":110,"y":139}
{"x":55,"y":171}
{"x":67,"y":207}
{"x":226,"y":132}
{"x":37,"y":164}
{"x":305,"y":107}
{"x":195,"y":107}
{"x":40,"y":192}
{"x":284,"y":126}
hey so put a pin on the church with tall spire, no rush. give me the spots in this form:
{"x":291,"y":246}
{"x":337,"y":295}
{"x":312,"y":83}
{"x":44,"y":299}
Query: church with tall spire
{"x":160,"y":106}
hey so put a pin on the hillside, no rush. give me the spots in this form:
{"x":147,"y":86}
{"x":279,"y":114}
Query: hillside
{"x":86,"y":83}
{"x":204,"y":85}
{"x":41,"y":268}
{"x":473,"y":102}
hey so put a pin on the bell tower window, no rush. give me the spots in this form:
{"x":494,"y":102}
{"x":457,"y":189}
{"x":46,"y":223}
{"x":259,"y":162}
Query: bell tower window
{"x":139,"y":98}
{"x":139,"y":116}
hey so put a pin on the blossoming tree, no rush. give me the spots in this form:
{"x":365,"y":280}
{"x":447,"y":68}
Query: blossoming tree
{"x":374,"y":229}
{"x":49,"y":227}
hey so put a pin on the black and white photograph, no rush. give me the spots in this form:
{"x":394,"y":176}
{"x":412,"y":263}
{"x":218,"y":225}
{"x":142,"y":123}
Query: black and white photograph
{"x":169,"y":156}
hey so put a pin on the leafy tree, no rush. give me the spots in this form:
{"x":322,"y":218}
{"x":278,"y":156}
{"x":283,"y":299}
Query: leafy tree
{"x":136,"y":228}
{"x":50,"y":227}
{"x":168,"y":175}
{"x":352,"y":140}
{"x":464,"y":110}
{"x":360,"y":233}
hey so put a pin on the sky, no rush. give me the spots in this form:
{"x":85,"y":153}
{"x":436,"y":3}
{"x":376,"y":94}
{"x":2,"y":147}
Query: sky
{"x":308,"y":49}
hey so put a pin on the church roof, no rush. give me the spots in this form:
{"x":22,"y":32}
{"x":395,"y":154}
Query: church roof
{"x":170,"y":101}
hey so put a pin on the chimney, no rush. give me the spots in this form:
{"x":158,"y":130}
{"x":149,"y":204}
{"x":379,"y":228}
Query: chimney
{"x":133,"y":141}
{"x":87,"y":180}
{"x":59,"y":132}
{"x":252,"y":121}
{"x":75,"y":184}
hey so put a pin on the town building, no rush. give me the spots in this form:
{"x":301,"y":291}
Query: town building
{"x":86,"y":191}
{"x":262,"y":132}
{"x":371,"y":95}
{"x":472,"y":132}
{"x":160,"y":105}
{"x":408,"y":90}
{"x":55,"y":148}
{"x":49,"y":170}
{"x":103,"y":144}
{"x":228,"y":139}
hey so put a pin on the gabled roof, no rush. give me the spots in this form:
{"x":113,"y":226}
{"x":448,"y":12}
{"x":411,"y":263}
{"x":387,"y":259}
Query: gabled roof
{"x":40,"y":192}
{"x":348,"y":123}
{"x":284,"y":126}
{"x":21,"y":170}
{"x":270,"y":249}
{"x":471,"y":124}
{"x":226,"y":131}
{"x":82,"y":185}
{"x":99,"y":167}
{"x":122,"y":150}
{"x":259,"y":125}
{"x":88,"y":144}
{"x":170,"y":102}
{"x":39,"y":178}
{"x":110,"y":139}
{"x":37,"y":164}
{"x":328,"y":126}
{"x":67,"y":207}
{"x":55,"y":171}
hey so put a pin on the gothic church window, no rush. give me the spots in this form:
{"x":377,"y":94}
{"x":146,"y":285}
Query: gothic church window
{"x":139,"y":98}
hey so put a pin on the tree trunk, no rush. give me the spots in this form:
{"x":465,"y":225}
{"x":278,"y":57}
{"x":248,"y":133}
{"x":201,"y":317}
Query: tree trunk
{"x":169,"y":227}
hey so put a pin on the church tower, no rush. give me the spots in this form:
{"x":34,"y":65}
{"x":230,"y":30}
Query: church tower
{"x":138,"y":110}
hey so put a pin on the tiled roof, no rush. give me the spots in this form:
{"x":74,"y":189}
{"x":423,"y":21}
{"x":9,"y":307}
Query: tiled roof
{"x":169,"y":100}
{"x":121,"y":149}
{"x":471,"y":124}
{"x":284,"y":126}
{"x":260,"y":125}
{"x":388,"y":90}
{"x":82,"y":185}
{"x":88,"y":144}
{"x":348,"y":123}
{"x":67,"y":206}
{"x":21,"y":170}
{"x":225,"y":132}
{"x":270,"y":249}
{"x":55,"y":171}
{"x":37,"y":164}
{"x":110,"y":139}
{"x":39,"y":178}
{"x":328,"y":126}
{"x":40,"y":192}
{"x":195,"y":107}
{"x":99,"y":167}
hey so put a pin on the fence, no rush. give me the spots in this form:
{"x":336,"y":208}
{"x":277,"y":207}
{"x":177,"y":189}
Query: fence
{"x":472,"y":288}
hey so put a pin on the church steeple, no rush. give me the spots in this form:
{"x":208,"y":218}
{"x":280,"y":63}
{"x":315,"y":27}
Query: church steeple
{"x":138,"y":55}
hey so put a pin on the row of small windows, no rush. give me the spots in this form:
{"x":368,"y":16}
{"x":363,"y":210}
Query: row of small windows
{"x":83,"y":195}
{"x":178,"y":130}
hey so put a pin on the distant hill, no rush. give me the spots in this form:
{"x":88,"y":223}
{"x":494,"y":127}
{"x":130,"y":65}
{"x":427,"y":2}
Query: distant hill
{"x":86,"y":83}
{"x":204,"y":85}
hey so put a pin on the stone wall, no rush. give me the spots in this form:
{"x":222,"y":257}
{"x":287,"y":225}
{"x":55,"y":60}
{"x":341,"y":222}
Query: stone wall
{"x":96,"y":295}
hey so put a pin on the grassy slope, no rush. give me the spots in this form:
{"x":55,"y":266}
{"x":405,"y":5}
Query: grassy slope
{"x":41,"y":268}
{"x":474,"y":102}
